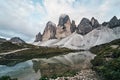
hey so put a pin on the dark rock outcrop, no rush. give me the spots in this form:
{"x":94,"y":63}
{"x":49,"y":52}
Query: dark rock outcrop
{"x":38,"y":37}
{"x":114,"y":22}
{"x":73,"y":26}
{"x":49,"y":32}
{"x":104,"y":23}
{"x":16,"y":40}
{"x":94,"y":23}
{"x":84,"y":26}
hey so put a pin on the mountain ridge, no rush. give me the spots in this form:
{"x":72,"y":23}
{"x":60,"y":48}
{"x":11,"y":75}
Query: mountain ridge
{"x":66,"y":27}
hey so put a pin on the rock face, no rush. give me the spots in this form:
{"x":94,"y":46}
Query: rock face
{"x":114,"y":22}
{"x":17,"y":40}
{"x":94,"y":23}
{"x":38,"y":37}
{"x":84,"y":27}
{"x":73,"y":26}
{"x":49,"y":32}
{"x":63,"y":28}
{"x":2,"y":40}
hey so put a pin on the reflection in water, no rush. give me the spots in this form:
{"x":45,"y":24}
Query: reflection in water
{"x":22,"y":71}
{"x":64,"y":63}
{"x":33,"y":69}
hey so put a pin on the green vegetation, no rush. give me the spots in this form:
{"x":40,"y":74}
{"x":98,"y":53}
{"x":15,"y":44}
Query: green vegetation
{"x":107,"y":61}
{"x":36,"y":52}
{"x":7,"y":78}
{"x":8,"y":46}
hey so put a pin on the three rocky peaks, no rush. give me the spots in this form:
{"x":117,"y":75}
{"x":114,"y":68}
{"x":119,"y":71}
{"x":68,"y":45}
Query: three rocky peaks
{"x":66,"y":27}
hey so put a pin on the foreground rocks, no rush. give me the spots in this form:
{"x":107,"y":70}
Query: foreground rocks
{"x":87,"y":74}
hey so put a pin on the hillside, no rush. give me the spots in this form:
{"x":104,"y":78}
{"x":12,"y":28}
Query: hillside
{"x":9,"y":46}
{"x":107,"y":61}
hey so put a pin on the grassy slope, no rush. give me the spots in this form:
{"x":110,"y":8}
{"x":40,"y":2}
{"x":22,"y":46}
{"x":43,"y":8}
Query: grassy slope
{"x":8,"y":46}
{"x":107,"y":61}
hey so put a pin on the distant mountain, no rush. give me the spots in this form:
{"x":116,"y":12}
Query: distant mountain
{"x":114,"y":22}
{"x":16,"y":40}
{"x":2,"y":40}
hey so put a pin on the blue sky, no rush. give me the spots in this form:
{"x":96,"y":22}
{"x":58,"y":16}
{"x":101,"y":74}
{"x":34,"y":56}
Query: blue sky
{"x":25,"y":18}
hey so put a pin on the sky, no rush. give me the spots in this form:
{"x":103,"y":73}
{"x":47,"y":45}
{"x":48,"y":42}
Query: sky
{"x":25,"y":18}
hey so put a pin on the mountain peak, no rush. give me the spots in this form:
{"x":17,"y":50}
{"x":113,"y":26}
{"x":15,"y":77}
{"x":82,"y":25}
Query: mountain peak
{"x":63,"y":19}
{"x":114,"y":22}
{"x":50,"y":31}
{"x":50,"y":24}
{"x":63,"y":28}
{"x":114,"y":19}
{"x":84,"y":26}
{"x":94,"y":23}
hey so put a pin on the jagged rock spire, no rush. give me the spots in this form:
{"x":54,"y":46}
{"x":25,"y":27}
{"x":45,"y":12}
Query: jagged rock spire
{"x":38,"y":37}
{"x":50,"y":31}
{"x":84,"y":26}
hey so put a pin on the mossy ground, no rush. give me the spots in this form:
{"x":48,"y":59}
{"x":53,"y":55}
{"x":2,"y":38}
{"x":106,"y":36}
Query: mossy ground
{"x":107,"y":61}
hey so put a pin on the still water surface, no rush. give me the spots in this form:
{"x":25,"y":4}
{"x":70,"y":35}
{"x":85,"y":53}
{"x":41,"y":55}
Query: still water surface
{"x":33,"y":69}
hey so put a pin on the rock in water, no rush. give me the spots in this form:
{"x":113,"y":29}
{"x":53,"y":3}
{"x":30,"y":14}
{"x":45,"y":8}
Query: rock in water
{"x":63,"y":28}
{"x":38,"y":37}
{"x":17,"y":40}
{"x":49,"y":32}
{"x":84,"y":26}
